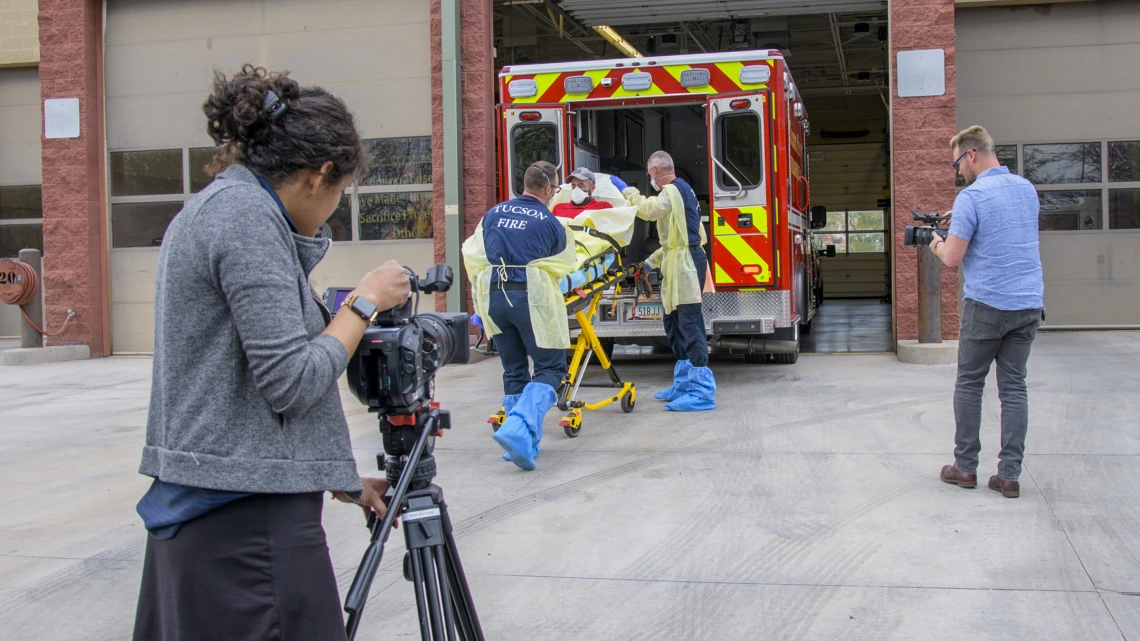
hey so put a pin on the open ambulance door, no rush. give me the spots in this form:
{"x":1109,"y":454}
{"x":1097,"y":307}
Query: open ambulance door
{"x":743,"y":233}
{"x":527,"y":135}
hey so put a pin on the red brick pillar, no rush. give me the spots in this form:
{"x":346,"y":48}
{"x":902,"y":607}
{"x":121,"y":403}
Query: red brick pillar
{"x":74,"y":194}
{"x":478,"y":88}
{"x":922,"y":178}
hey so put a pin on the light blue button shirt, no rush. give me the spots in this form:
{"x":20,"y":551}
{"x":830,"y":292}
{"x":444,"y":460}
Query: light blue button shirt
{"x":998,"y":215}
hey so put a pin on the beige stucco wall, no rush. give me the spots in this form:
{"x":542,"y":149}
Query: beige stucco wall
{"x":19,"y":32}
{"x":160,"y":57}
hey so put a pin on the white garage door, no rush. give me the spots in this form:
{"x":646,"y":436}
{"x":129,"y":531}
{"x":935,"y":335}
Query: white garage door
{"x":159,"y":63}
{"x":1058,"y":90}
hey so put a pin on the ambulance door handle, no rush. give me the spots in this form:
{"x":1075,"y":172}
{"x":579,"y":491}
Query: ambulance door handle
{"x":739,"y":185}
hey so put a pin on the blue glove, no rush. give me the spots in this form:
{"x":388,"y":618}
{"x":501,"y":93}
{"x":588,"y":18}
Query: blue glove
{"x":476,"y":321}
{"x":619,"y":183}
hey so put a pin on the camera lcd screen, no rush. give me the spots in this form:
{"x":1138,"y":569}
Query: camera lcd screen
{"x":338,"y":299}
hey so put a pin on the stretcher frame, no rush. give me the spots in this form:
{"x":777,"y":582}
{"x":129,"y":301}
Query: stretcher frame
{"x":583,"y":303}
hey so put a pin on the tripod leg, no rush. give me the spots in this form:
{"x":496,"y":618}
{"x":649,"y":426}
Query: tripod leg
{"x":417,"y":585}
{"x":432,"y":584}
{"x":466,"y":618}
{"x":444,"y":591}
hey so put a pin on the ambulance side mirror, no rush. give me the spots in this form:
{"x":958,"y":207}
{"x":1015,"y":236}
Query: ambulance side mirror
{"x":818,"y":217}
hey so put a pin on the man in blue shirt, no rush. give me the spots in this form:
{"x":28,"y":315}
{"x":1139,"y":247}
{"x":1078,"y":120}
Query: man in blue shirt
{"x":993,"y":235}
{"x":516,"y":233}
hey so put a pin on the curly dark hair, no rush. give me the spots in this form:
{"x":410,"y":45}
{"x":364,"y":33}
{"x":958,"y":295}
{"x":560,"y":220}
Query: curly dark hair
{"x":316,"y":127}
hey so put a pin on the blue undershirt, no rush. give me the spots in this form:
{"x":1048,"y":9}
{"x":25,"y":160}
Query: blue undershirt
{"x":167,"y":506}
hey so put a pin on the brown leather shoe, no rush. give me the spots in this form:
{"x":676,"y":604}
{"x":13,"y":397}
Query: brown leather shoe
{"x":1008,"y":489}
{"x":951,"y":474}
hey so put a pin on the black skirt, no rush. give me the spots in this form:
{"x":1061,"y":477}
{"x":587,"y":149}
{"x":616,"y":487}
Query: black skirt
{"x":255,"y":569}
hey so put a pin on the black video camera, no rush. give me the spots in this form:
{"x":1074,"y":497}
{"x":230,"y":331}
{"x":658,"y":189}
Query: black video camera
{"x":393,"y":369}
{"x":922,"y":236}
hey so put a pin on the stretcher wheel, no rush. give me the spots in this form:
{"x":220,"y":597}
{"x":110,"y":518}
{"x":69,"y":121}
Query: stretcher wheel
{"x":497,"y":419}
{"x":572,"y":423}
{"x":627,"y":403}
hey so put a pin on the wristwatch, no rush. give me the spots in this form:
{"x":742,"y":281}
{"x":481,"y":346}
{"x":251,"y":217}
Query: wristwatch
{"x":362,"y":307}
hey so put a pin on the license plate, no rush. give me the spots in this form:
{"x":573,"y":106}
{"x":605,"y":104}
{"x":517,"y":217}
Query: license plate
{"x":645,"y":312}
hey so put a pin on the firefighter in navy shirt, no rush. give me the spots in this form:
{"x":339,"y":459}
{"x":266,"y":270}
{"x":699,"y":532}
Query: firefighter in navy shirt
{"x":515,"y":234}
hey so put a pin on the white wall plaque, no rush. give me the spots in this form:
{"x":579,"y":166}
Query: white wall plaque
{"x":922,"y":73}
{"x":61,"y":118}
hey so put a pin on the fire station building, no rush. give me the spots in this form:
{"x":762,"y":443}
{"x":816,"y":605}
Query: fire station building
{"x":102,"y":138}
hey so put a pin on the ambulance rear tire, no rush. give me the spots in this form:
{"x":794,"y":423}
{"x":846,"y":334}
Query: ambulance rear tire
{"x":787,"y":359}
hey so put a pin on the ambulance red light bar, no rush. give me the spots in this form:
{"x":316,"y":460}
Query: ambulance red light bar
{"x":750,"y":270}
{"x":530,"y":116}
{"x":739,"y":104}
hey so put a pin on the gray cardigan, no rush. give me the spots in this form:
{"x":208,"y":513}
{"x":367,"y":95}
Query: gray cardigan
{"x":244,"y":394}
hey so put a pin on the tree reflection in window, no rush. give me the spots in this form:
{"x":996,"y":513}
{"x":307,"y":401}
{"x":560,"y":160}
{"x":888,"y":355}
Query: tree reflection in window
{"x":398,"y":161}
{"x":1063,"y":164}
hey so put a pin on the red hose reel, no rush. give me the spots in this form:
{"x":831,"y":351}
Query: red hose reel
{"x":18,"y":286}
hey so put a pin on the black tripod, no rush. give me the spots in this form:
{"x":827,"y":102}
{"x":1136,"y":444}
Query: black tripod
{"x":432,"y":564}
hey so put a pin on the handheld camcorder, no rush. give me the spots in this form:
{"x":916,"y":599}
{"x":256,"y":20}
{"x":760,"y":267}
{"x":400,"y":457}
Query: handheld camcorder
{"x":922,"y":236}
{"x":393,"y":369}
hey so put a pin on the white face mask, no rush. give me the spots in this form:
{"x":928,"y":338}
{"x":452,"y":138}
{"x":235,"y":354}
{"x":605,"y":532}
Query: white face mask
{"x":578,"y":196}
{"x":653,"y":182}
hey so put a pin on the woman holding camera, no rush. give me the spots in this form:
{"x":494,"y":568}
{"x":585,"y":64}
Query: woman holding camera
{"x":246,"y":430}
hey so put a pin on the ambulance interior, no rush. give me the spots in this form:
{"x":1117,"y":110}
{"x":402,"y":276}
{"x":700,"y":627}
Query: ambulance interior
{"x":619,"y":141}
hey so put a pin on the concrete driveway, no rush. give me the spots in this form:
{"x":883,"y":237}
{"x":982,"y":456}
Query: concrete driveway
{"x":807,"y":506}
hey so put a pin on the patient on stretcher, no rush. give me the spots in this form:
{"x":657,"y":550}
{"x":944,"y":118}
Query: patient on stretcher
{"x":596,"y":254}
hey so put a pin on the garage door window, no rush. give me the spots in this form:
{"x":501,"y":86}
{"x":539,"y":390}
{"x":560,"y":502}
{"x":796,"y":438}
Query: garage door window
{"x":393,"y":202}
{"x":853,"y":232}
{"x":1082,"y":186}
{"x":21,"y":219}
{"x":1124,"y":167}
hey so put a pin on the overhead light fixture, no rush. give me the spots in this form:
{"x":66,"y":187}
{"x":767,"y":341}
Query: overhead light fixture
{"x":613,"y":38}
{"x":668,"y":40}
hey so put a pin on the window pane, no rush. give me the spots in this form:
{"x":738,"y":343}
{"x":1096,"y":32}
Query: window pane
{"x":1070,"y":210}
{"x":395,"y":216}
{"x":1007,"y":156}
{"x":141,"y":224}
{"x":1124,"y":208}
{"x":1063,"y":164}
{"x":399,"y":161}
{"x":146,"y":173}
{"x":740,"y":150}
{"x":529,"y":144}
{"x":1124,"y":161}
{"x":24,"y":201}
{"x":836,"y":221}
{"x":200,"y":158}
{"x":339,"y":227}
{"x":865,"y":220}
{"x":13,"y":238}
{"x":822,"y":240}
{"x":865,"y":243}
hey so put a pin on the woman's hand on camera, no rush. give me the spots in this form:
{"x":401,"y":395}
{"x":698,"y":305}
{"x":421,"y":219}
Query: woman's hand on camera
{"x":386,"y":287}
{"x":372,"y":499}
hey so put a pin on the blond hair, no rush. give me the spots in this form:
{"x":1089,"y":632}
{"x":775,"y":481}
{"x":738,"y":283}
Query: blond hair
{"x":660,"y":160}
{"x":976,"y":138}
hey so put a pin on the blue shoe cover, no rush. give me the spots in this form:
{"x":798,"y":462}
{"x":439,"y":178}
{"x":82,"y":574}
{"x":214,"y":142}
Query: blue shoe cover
{"x":680,"y":379}
{"x":521,"y":432}
{"x":508,"y":405}
{"x":699,"y":395}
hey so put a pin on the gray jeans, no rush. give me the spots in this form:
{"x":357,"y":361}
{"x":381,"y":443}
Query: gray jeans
{"x":990,"y":334}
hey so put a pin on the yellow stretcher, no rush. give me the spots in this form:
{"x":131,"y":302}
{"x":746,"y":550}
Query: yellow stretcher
{"x":603,"y":271}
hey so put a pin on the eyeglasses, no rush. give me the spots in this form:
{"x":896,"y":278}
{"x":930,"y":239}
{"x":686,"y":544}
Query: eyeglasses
{"x":957,"y":162}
